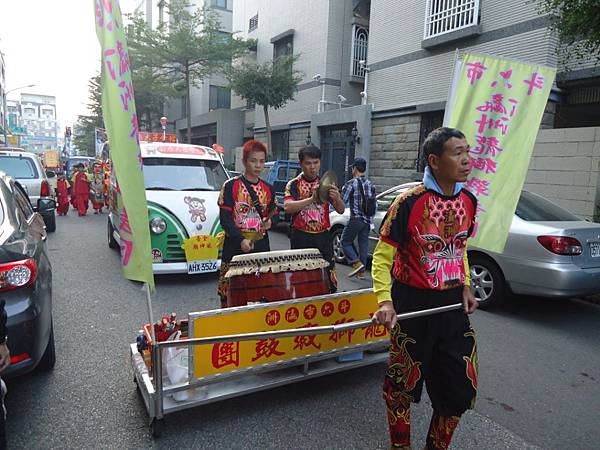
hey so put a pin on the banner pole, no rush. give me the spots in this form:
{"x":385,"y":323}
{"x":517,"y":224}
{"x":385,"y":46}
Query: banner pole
{"x":150,"y":316}
{"x":452,"y":87}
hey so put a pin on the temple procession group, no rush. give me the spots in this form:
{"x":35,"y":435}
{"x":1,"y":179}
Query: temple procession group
{"x":86,"y":185}
{"x":425,"y":229}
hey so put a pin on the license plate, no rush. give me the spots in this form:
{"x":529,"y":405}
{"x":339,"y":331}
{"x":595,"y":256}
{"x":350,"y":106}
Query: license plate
{"x":595,"y":249}
{"x":202,"y":266}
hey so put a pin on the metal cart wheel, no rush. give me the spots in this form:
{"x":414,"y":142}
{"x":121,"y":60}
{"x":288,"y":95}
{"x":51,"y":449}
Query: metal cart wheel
{"x":156,"y":427}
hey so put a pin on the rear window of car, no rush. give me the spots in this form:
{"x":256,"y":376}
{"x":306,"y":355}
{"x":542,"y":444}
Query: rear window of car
{"x":71,"y":162}
{"x":534,"y":208}
{"x":19,"y":167}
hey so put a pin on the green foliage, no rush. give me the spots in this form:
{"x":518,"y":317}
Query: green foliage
{"x":577,"y":24}
{"x":181,"y":53}
{"x":84,"y":129}
{"x":271,"y":84}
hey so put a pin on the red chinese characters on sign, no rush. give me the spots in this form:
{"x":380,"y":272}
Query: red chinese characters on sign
{"x":226,"y":354}
{"x":327,"y":309}
{"x":478,"y":186}
{"x":310,"y":311}
{"x":344,"y":306}
{"x":302,"y":342}
{"x":265,"y":348}
{"x":490,"y":123}
{"x":475,"y":71}
{"x":338,"y":336}
{"x":496,"y":105}
{"x":272,"y":318}
{"x":487,"y":165}
{"x":505,"y":76}
{"x":292,"y":314}
{"x":536,"y":82}
{"x":486,"y":146}
{"x":374,"y":331}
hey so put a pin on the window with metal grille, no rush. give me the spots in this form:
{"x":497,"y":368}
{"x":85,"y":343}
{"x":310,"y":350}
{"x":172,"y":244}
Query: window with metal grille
{"x":360,"y":42}
{"x":444,"y":16}
{"x":253,"y":23}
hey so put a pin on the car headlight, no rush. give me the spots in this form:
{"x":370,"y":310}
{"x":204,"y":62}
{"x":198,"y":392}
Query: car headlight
{"x":158,"y":225}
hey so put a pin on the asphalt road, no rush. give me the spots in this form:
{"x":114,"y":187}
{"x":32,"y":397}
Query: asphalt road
{"x":539,"y":373}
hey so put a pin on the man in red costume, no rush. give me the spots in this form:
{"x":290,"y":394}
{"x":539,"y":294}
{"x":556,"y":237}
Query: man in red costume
{"x":81,"y":189}
{"x":419,"y":263}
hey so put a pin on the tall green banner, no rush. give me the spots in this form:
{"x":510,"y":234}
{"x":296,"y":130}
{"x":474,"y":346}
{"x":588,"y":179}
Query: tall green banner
{"x":120,"y":119}
{"x":498,"y":104}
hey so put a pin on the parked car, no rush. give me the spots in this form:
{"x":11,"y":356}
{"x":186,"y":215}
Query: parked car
{"x":73,"y":161}
{"x":278,"y":173}
{"x":25,"y":280}
{"x":550,"y":252}
{"x":183,"y":183}
{"x":27,"y":169}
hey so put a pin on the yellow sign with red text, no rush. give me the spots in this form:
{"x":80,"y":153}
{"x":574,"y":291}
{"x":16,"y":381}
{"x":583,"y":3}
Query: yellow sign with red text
{"x":318,"y":311}
{"x":200,"y":248}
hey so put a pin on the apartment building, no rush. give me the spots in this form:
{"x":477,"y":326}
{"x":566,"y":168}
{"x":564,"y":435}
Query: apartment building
{"x":213,"y":120}
{"x":38,"y":116}
{"x":331,"y":38}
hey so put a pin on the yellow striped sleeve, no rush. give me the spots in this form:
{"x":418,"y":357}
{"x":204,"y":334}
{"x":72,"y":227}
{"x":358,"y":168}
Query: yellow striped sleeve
{"x":467,"y":269}
{"x":381,"y":271}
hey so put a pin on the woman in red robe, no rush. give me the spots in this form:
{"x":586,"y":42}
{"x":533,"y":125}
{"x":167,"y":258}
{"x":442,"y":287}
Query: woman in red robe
{"x":62,"y":195}
{"x":81,"y":187}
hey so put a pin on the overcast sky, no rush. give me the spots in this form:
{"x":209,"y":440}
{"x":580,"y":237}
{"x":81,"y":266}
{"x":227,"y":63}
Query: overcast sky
{"x":53,"y":45}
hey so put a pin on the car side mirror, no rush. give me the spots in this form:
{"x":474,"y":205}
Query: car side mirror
{"x":50,"y":174}
{"x":45,"y":204}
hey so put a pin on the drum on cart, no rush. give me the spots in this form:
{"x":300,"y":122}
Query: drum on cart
{"x":275,"y":276}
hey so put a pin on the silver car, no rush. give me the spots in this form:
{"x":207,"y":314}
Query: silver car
{"x":27,"y":169}
{"x":549,"y":252}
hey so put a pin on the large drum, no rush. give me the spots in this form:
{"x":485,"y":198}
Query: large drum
{"x":278,"y":275}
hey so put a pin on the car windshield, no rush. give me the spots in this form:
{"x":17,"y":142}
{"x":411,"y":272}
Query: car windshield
{"x":71,"y":162}
{"x":178,"y":174}
{"x":385,"y":200}
{"x":18,"y":167}
{"x":534,"y":208}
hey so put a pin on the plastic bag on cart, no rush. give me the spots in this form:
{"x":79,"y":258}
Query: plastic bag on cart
{"x":176,"y":364}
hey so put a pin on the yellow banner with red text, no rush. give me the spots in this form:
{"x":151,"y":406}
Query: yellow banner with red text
{"x":324,"y":310}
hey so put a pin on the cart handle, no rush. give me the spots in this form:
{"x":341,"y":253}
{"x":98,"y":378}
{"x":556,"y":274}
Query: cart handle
{"x":327,"y":329}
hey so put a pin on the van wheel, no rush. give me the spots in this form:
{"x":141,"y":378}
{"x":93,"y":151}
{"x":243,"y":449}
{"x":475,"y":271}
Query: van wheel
{"x":49,"y":357}
{"x":112,"y":243}
{"x":487,"y":281}
{"x":338,"y":251}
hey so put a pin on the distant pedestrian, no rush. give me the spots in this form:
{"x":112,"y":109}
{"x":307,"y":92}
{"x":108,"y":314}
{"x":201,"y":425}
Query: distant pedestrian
{"x":81,"y":190}
{"x":62,"y":195}
{"x":97,"y":189}
{"x":359,"y":197}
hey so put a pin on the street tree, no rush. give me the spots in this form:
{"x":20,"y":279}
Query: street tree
{"x":185,"y":50}
{"x":577,"y":24}
{"x":85,"y":128}
{"x":271,"y":84}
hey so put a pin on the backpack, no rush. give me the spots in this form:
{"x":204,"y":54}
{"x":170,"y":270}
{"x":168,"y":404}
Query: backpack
{"x":369,"y":204}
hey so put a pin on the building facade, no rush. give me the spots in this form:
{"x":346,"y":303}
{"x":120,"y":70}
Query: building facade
{"x":38,"y":117}
{"x":331,"y":39}
{"x":410,"y":48}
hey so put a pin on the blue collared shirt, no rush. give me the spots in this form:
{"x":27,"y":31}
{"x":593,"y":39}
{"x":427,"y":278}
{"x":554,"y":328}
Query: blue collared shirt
{"x":352,"y":196}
